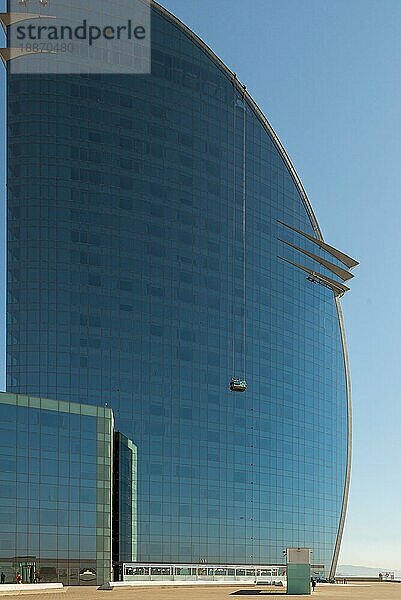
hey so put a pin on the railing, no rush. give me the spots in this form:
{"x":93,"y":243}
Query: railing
{"x":192,"y":572}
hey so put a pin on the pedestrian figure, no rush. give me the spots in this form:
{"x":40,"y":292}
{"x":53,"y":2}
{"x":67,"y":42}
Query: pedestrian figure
{"x":3,"y":577}
{"x":313,"y":582}
{"x":18,"y":577}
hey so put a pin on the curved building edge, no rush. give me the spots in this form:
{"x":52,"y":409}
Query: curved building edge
{"x":242,"y":90}
{"x":349,"y":443}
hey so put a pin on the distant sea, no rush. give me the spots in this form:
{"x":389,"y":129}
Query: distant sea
{"x":360,"y":571}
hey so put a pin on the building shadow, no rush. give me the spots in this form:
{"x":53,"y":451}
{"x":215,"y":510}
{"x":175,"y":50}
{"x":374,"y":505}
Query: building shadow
{"x":258,"y":593}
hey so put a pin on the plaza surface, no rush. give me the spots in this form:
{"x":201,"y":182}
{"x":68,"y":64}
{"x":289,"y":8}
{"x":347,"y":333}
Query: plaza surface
{"x":374,"y":591}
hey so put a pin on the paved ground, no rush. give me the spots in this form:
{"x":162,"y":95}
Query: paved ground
{"x":374,"y":591}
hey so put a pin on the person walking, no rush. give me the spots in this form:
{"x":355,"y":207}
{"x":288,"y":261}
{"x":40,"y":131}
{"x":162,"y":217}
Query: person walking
{"x":2,"y":577}
{"x":18,"y":577}
{"x":313,"y":582}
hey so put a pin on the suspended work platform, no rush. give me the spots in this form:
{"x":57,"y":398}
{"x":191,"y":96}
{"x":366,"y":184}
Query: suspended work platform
{"x":238,"y":385}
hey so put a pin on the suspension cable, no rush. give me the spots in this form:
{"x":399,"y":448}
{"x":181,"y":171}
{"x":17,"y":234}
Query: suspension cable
{"x":244,"y":234}
{"x":233,"y":233}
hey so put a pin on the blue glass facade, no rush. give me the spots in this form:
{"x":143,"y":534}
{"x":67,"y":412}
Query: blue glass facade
{"x":126,"y":285}
{"x":55,"y":490}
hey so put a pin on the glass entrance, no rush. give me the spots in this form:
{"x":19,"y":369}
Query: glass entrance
{"x":28,"y":571}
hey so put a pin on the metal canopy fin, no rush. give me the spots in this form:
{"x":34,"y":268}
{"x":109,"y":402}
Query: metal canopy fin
{"x":338,"y":288}
{"x":339,"y":271}
{"x":7,"y":54}
{"x":344,"y":258}
{"x":10,"y":18}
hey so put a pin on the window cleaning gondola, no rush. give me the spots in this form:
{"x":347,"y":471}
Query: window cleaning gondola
{"x":236,"y":385}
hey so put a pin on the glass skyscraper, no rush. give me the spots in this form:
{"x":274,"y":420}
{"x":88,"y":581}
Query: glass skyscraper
{"x":160,"y":244}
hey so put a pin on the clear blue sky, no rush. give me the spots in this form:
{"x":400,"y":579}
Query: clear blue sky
{"x":327,"y":74}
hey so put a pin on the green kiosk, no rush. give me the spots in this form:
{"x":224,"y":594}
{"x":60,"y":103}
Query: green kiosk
{"x":298,"y":571}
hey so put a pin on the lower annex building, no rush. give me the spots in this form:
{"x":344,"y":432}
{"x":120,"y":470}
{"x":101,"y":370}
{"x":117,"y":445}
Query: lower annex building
{"x":160,"y":244}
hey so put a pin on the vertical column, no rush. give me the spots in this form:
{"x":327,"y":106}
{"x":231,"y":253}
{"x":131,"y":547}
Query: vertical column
{"x":104,"y":495}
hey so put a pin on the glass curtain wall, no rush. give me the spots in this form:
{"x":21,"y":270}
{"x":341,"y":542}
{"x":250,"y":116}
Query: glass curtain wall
{"x":144,"y":271}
